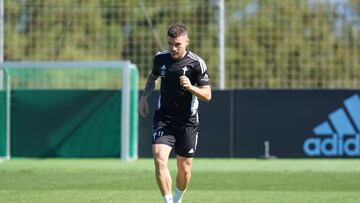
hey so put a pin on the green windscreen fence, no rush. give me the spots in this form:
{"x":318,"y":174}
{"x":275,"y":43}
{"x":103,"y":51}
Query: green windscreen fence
{"x":70,"y":109}
{"x":65,"y":123}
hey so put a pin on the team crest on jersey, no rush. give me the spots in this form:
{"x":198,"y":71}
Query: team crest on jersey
{"x":163,"y":71}
{"x":184,"y":70}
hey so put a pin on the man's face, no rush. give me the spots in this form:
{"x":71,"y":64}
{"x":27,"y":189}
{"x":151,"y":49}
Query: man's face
{"x":177,"y":46}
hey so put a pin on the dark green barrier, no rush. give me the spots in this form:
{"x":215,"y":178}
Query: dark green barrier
{"x":2,"y":123}
{"x":266,"y":123}
{"x":65,"y":123}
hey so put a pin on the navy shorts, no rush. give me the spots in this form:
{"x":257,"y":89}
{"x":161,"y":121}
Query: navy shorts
{"x":180,"y":135}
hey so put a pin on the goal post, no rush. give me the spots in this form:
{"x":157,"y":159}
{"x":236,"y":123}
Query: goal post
{"x":69,"y":109}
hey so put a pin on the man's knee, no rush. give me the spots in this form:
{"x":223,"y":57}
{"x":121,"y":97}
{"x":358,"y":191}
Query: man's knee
{"x":184,"y":165}
{"x":160,"y":162}
{"x":161,"y":155}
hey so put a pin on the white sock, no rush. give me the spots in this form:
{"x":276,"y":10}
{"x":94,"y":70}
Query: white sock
{"x":168,"y":198}
{"x":178,"y":195}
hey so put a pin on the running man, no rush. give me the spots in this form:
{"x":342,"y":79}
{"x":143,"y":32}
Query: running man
{"x":184,"y":80}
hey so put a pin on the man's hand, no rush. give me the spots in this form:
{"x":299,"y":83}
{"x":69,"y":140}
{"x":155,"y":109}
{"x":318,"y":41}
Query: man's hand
{"x":143,"y":107}
{"x":185,"y":82}
{"x":201,"y":92}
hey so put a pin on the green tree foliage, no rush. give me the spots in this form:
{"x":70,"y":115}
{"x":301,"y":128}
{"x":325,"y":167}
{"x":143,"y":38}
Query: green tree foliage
{"x":292,"y":45}
{"x":269,"y":44}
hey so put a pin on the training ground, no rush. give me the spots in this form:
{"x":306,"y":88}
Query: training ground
{"x":213,"y":180}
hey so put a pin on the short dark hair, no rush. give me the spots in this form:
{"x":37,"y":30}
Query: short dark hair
{"x":176,"y":30}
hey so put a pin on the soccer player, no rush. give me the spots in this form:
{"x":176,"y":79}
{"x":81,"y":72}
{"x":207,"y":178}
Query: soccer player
{"x":184,"y":80}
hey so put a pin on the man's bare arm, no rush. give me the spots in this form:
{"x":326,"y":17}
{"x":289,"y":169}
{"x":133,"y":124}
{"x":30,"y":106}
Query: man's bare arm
{"x":150,"y":85}
{"x":201,"y":92}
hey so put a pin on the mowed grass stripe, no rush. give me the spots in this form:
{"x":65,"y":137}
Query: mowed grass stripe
{"x":214,"y":180}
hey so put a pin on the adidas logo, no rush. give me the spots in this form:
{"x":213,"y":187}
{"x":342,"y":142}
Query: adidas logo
{"x":340,"y":135}
{"x":191,"y":151}
{"x":206,"y":78}
{"x":163,"y":71}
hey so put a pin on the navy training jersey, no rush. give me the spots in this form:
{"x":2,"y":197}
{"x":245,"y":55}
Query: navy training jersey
{"x":174,"y":100}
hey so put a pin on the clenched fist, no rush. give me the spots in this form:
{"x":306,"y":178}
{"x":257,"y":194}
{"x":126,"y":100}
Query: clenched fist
{"x":185,"y":82}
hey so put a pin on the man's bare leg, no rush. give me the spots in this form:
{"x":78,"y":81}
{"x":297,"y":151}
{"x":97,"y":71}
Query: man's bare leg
{"x":161,"y":154}
{"x":184,"y":165}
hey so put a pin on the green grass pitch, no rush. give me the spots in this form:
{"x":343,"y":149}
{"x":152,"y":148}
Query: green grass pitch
{"x":213,"y":180}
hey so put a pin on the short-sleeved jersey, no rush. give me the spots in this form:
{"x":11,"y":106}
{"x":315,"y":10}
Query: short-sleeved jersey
{"x":174,"y":100}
